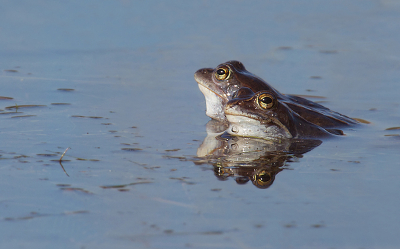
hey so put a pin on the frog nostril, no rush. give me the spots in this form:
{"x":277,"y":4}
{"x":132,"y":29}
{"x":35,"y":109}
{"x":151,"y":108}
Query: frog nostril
{"x":234,"y":129}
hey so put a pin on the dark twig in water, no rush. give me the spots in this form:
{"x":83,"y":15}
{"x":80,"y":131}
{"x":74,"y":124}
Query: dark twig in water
{"x":64,"y":153}
{"x":61,"y":160}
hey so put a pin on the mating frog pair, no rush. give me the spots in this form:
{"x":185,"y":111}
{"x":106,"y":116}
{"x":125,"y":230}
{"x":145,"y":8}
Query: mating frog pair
{"x":255,"y":109}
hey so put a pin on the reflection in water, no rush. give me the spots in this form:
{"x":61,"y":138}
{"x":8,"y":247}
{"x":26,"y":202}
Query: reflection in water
{"x":61,"y":160}
{"x":63,"y":168}
{"x":249,"y":159}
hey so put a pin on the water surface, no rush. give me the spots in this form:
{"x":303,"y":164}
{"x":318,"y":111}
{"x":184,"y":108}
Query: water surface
{"x":114,"y":83}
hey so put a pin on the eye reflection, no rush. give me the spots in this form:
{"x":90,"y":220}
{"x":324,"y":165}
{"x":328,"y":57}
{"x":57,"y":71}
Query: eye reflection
{"x":262,"y":178}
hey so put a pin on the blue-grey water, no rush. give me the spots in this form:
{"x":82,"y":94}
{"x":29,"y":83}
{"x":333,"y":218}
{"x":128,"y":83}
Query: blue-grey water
{"x":134,"y":118}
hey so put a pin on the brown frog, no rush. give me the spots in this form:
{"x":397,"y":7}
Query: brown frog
{"x":220,"y":85}
{"x":263,"y":115}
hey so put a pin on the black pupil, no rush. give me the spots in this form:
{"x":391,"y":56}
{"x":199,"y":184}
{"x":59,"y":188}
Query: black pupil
{"x":264,"y":178}
{"x":266,"y":100}
{"x":220,"y":71}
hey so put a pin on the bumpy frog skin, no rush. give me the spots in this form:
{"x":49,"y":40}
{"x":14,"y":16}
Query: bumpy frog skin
{"x":220,"y":85}
{"x":262,"y":115}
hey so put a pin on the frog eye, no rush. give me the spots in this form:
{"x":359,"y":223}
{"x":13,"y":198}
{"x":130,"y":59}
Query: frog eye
{"x":263,"y":179}
{"x":222,"y":73}
{"x":266,"y":101}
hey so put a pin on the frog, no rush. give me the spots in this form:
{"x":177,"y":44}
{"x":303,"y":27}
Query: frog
{"x":220,"y":85}
{"x":263,"y":115}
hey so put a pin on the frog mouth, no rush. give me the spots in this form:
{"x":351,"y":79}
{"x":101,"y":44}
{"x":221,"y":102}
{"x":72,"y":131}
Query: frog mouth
{"x":215,"y":103}
{"x":216,"y":99}
{"x":207,"y":91}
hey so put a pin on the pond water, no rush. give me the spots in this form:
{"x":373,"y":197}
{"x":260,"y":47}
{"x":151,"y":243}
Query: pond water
{"x":113,"y":81}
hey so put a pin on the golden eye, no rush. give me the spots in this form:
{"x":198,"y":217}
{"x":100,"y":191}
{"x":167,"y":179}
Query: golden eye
{"x":266,"y":101}
{"x":222,"y":73}
{"x":263,"y":178}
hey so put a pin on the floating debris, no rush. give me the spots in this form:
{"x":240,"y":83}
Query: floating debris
{"x":9,"y":112}
{"x":290,"y":225}
{"x":58,"y":160}
{"x":76,"y":190}
{"x":122,"y":186}
{"x":314,"y":77}
{"x":285,"y":48}
{"x":79,"y":116}
{"x":212,"y":233}
{"x":23,"y":116}
{"x":31,"y":216}
{"x":20,"y":156}
{"x":5,"y":98}
{"x":216,"y":189}
{"x":63,"y":185}
{"x":172,"y":150}
{"x":11,"y":70}
{"x":61,"y":163}
{"x":181,"y":158}
{"x":318,"y":225}
{"x":66,"y":89}
{"x":392,"y":135}
{"x":77,"y":212}
{"x":23,"y":106}
{"x":64,"y":153}
{"x":392,"y":128}
{"x":61,"y":103}
{"x":131,"y":149}
{"x":91,"y":160}
{"x":141,"y":164}
{"x":37,"y":215}
{"x":183,"y":179}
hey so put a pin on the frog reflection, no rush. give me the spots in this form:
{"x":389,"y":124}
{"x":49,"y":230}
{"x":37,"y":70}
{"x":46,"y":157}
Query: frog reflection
{"x":262,"y":176}
{"x":249,"y":159}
